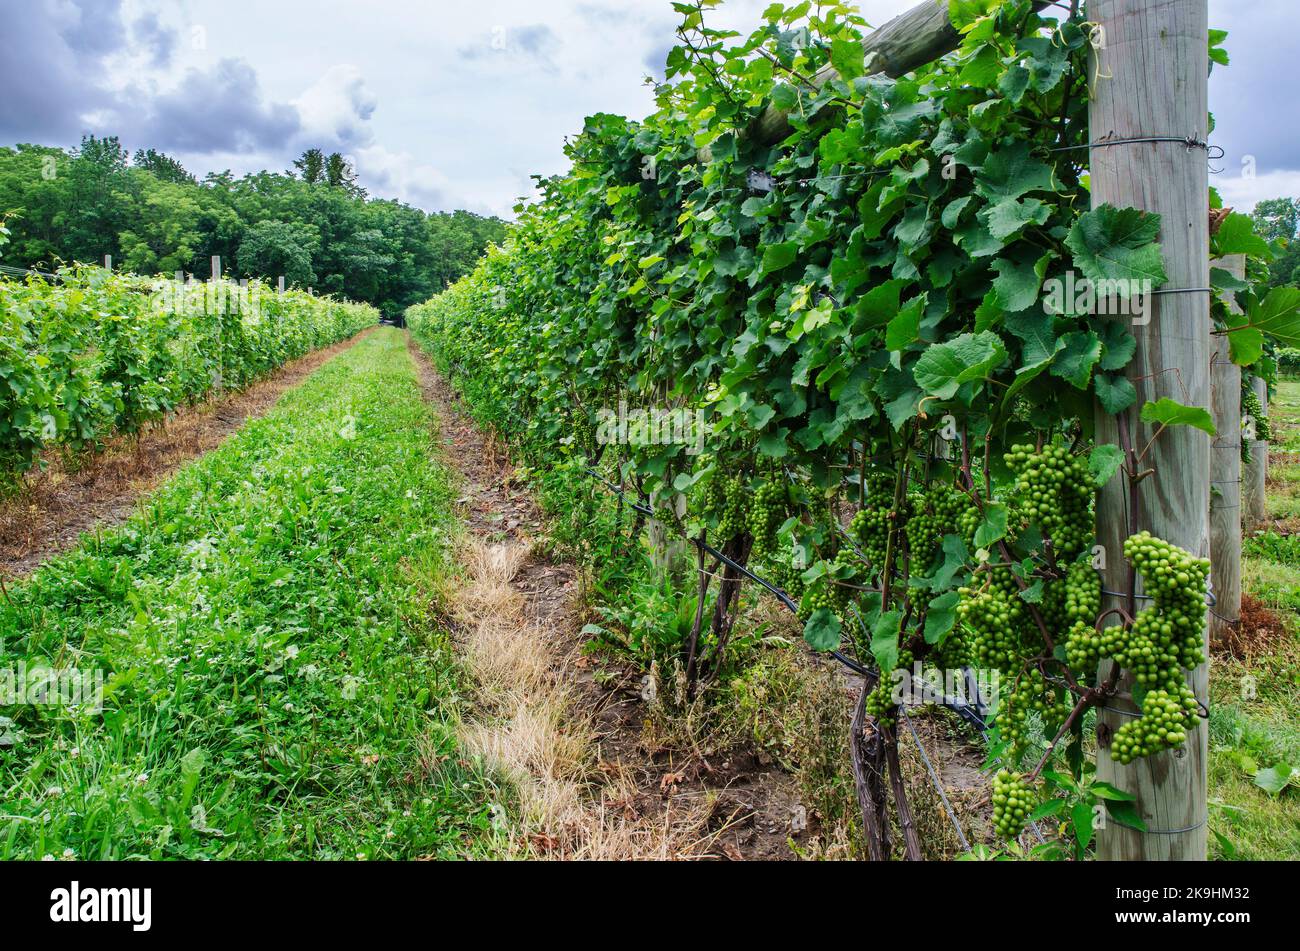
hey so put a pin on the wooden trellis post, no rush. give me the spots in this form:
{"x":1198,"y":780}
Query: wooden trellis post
{"x":1225,"y":478}
{"x":1150,"y":80}
{"x":1256,"y":471}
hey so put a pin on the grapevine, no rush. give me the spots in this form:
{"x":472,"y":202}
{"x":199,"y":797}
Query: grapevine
{"x":832,"y":301}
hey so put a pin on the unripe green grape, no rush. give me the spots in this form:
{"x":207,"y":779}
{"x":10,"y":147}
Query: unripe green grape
{"x":880,"y":702}
{"x":731,"y":523}
{"x":1000,"y":628}
{"x":1031,"y":694}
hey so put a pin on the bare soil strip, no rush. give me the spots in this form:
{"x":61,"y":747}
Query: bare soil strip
{"x":75,"y":494}
{"x":569,"y":729}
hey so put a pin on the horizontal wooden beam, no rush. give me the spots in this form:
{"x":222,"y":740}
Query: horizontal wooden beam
{"x":907,"y":42}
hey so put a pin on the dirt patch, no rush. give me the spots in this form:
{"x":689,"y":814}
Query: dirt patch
{"x":642,"y":797}
{"x":956,"y":756}
{"x":74,"y":494}
{"x":1286,"y":526}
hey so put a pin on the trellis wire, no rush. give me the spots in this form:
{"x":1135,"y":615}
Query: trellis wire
{"x":958,"y":705}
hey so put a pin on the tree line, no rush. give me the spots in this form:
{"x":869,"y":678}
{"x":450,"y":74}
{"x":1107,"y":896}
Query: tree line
{"x":1279,"y":218}
{"x":313,"y":225}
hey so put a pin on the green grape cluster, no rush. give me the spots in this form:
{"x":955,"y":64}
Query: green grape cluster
{"x":941,"y":510}
{"x":870,"y":529}
{"x":997,"y":621}
{"x":1168,"y":635}
{"x":1167,"y":717}
{"x":969,"y":521}
{"x":1054,"y":491}
{"x":1252,"y":406}
{"x":880,"y":702}
{"x":872,"y":524}
{"x":766,"y":515}
{"x":731,"y":518}
{"x":1013,"y":801}
{"x":820,"y":594}
{"x":1083,"y":643}
{"x":584,"y":434}
{"x":1084,"y":646}
{"x":1031,"y":694}
{"x":788,"y":578}
{"x":712,"y":496}
{"x":828,"y":592}
{"x":845,"y":557}
{"x":952,"y":652}
{"x":1082,"y":592}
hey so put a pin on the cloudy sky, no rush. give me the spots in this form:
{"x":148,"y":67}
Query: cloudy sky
{"x":454,"y":104}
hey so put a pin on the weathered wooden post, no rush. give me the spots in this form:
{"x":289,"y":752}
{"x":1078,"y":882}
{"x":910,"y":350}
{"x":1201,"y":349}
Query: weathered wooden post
{"x":1256,"y":473}
{"x":1225,"y":478}
{"x":1152,"y":83}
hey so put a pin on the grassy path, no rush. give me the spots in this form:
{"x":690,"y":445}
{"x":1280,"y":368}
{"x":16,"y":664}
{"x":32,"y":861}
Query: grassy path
{"x":275,"y":685}
{"x":71,"y":494}
{"x":1255,"y":708}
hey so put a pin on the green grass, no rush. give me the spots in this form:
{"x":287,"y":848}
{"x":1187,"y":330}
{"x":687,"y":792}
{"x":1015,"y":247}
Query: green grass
{"x":277,"y":687}
{"x":1249,"y":733}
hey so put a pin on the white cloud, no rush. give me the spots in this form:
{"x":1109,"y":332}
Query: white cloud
{"x":402,"y":176}
{"x":336,"y":110}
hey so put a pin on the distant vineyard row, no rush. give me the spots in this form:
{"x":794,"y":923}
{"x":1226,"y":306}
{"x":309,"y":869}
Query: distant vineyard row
{"x":98,"y":353}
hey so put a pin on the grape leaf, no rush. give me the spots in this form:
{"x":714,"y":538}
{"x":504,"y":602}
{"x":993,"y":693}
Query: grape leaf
{"x":1277,"y":315}
{"x":1117,"y":244}
{"x":1008,"y":217}
{"x":941,"y":617}
{"x":1126,"y":814}
{"x":884,"y":640}
{"x":905,"y":328}
{"x":1011,"y":173}
{"x":1119,"y":343}
{"x":848,"y":59}
{"x":1076,"y":359}
{"x":822,"y":632}
{"x":994,"y":526}
{"x":943,"y":368}
{"x":1169,"y":412}
{"x":778,"y":256}
{"x":1018,"y":282}
{"x":1274,"y":779}
{"x":1104,"y":790}
{"x":1103,"y":462}
{"x":1237,"y":236}
{"x":1081,"y":821}
{"x":1115,"y":393}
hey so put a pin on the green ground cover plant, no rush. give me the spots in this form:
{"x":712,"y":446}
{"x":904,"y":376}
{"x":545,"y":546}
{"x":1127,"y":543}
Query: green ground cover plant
{"x":275,"y":685}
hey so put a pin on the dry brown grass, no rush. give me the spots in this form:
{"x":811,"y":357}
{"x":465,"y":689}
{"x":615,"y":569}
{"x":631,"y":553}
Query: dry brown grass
{"x":533,"y":727}
{"x":1259,"y":632}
